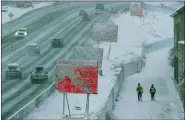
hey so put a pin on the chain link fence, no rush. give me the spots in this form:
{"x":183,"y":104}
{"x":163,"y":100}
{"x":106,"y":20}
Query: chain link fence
{"x":127,"y":70}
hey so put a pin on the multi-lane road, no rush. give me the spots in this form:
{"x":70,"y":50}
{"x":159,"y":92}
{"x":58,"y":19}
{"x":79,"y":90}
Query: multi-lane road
{"x":57,"y":21}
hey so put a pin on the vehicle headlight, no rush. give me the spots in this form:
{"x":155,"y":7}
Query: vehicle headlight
{"x":16,"y":33}
{"x":25,"y":33}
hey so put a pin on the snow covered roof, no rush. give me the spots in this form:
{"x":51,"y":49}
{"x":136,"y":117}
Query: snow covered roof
{"x":12,"y":65}
{"x":181,"y":42}
{"x":33,"y":44}
{"x":178,"y":10}
{"x":22,"y":28}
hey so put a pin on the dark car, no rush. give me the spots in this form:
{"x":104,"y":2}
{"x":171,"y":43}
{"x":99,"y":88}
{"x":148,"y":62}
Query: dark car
{"x":82,"y":12}
{"x":14,"y":71}
{"x":39,"y":76}
{"x":86,"y":17}
{"x":99,"y":6}
{"x":57,"y":43}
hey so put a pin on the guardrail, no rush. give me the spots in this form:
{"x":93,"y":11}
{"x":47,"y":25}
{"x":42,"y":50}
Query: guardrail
{"x":33,"y":103}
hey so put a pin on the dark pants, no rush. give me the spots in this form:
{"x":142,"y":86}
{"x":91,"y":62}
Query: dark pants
{"x":152,"y":95}
{"x":139,"y":95}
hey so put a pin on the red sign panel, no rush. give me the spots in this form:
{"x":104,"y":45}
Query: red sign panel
{"x":78,"y":79}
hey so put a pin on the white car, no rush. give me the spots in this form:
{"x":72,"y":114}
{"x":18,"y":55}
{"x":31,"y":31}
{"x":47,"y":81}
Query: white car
{"x":33,"y":49}
{"x":21,"y":33}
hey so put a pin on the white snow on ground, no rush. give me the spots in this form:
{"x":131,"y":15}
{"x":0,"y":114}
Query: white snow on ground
{"x":130,"y":35}
{"x":52,"y":107}
{"x":159,"y":73}
{"x":133,"y":31}
{"x":170,"y":4}
{"x":17,"y":12}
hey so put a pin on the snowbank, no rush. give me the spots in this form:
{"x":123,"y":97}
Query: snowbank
{"x":17,"y":12}
{"x":167,"y":104}
{"x":131,"y":35}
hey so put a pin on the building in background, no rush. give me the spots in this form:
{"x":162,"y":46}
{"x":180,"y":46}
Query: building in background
{"x":179,"y":39}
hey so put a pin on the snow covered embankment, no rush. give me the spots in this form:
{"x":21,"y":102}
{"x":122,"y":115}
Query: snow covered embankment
{"x":17,"y":12}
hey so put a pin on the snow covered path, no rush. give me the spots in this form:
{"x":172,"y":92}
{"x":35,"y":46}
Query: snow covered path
{"x":157,"y":72}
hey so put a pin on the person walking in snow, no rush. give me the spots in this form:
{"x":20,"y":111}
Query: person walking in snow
{"x":152,"y":92}
{"x":139,"y":91}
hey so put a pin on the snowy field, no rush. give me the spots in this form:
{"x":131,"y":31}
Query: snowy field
{"x":167,"y":104}
{"x":132,"y":33}
{"x":17,"y":12}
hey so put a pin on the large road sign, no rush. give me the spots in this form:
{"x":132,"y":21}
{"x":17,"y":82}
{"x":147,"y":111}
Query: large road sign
{"x":77,"y":76}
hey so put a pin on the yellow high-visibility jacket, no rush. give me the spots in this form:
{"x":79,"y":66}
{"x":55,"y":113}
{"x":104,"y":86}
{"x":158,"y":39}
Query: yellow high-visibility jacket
{"x":139,"y":89}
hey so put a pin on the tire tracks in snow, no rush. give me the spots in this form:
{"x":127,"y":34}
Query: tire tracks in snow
{"x":38,"y":27}
{"x":51,"y":65}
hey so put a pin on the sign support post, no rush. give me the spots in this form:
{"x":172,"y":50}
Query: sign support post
{"x":68,"y":106}
{"x":108,"y":55}
{"x":63,"y":112}
{"x":87,"y":105}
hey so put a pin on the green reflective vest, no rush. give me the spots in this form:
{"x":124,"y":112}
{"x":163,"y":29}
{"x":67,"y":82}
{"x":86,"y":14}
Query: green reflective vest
{"x":152,"y":89}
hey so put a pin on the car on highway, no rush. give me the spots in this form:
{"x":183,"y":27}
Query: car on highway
{"x":14,"y":71}
{"x":21,"y":33}
{"x":39,"y":76}
{"x":86,"y":17}
{"x":33,"y":49}
{"x":82,"y":12}
{"x":57,"y":43}
{"x":112,"y":10}
{"x":99,"y":8}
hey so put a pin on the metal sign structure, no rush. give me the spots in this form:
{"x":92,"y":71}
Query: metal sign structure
{"x":105,"y":32}
{"x":10,"y":15}
{"x":136,"y":12}
{"x":136,"y":9}
{"x":77,"y":77}
{"x":88,"y":53}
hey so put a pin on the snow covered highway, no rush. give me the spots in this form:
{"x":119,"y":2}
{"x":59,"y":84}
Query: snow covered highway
{"x":58,"y":23}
